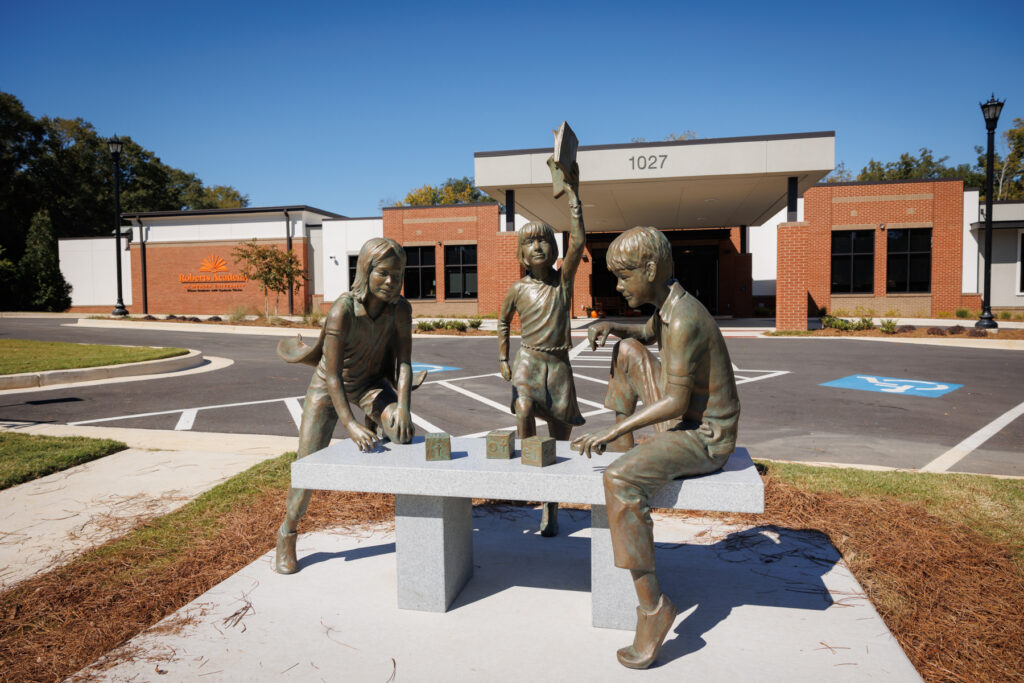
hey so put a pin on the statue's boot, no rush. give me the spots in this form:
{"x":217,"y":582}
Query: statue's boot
{"x":651,"y":629}
{"x":285,"y":561}
{"x":549,"y":520}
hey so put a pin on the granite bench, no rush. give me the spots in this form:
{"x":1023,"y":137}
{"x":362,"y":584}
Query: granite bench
{"x":433,"y":509}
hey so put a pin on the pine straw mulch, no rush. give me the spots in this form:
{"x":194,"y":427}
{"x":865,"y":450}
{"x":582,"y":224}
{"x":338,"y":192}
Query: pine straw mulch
{"x":954,"y":599}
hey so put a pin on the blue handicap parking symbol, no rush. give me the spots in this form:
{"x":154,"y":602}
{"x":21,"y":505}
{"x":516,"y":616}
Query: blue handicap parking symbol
{"x":892,"y":385}
{"x":416,"y":367}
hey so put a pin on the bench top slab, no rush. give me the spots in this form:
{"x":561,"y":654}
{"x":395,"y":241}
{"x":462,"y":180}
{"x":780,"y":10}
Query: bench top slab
{"x":403,"y":469}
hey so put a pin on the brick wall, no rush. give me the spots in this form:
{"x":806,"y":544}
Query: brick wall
{"x":935,"y":204}
{"x":791,"y":283}
{"x":477,"y":224}
{"x":168,"y":263}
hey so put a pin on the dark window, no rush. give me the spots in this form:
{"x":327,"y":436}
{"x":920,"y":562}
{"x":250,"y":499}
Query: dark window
{"x":909,"y":263}
{"x":460,"y":272}
{"x":352,"y":259}
{"x":853,"y":262}
{"x":420,"y":273}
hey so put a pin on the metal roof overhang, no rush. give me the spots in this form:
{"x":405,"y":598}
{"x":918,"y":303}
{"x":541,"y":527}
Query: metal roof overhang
{"x":709,"y":183}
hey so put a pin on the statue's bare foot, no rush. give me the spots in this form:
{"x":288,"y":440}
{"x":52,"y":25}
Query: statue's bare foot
{"x":285,"y":561}
{"x":549,"y":520}
{"x":651,"y":629}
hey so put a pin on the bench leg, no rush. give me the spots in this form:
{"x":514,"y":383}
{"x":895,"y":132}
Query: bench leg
{"x":612,"y":597}
{"x":434,"y":549}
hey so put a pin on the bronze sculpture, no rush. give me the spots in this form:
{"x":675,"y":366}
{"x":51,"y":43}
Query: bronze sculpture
{"x":542,"y":380}
{"x":690,"y":398}
{"x":362,"y":357}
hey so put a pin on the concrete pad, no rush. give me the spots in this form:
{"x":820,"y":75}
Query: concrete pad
{"x":47,"y":522}
{"x":755,"y":604}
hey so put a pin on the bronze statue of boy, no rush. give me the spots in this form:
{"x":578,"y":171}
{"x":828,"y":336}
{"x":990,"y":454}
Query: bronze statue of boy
{"x":362,"y":357}
{"x":689,"y":397}
{"x":542,"y":379}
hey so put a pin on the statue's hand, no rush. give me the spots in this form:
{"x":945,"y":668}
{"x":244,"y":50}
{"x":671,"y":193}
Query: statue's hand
{"x":403,"y":418}
{"x":597,"y":334}
{"x":363,"y":437}
{"x":592,"y":442}
{"x":506,"y":371}
{"x":572,"y":180}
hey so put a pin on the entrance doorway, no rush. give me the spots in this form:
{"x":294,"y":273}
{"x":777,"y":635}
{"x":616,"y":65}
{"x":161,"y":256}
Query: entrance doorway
{"x":697,"y":271}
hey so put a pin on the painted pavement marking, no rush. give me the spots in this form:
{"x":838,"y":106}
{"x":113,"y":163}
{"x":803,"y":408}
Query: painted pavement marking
{"x":187,"y":419}
{"x":295,"y":408}
{"x":892,"y":385}
{"x":965,"y":447}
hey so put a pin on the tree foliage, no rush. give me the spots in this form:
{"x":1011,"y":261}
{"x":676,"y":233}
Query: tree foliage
{"x":64,"y":166}
{"x":273,"y":270}
{"x":672,"y":137}
{"x":839,"y":174}
{"x":1008,"y":169}
{"x":42,"y":284}
{"x":924,"y":166}
{"x":452,"y":191}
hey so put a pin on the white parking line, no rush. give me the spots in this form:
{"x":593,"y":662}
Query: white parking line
{"x":423,"y":424}
{"x":964,"y":448}
{"x":477,"y":435}
{"x":187,"y":419}
{"x":177,"y":410}
{"x":477,"y":397}
{"x":292,"y":404}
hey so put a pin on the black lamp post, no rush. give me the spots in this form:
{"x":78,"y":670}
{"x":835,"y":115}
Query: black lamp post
{"x":991,"y":111}
{"x":115,"y":151}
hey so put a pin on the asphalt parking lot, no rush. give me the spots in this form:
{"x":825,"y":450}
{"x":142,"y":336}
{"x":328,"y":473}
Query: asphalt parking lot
{"x":816,"y":400}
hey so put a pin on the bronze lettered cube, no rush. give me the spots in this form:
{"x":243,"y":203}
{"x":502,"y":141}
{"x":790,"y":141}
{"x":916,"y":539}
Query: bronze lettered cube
{"x":538,"y":451}
{"x":439,"y":446}
{"x":500,"y":445}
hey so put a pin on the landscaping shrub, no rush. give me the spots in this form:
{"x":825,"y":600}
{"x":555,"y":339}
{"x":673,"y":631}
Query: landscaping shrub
{"x":905,"y":328}
{"x":937,"y":331}
{"x":1005,"y":315}
{"x":457,"y":325}
{"x":945,"y":314}
{"x":957,"y":329}
{"x":963,"y":313}
{"x":975,"y":332}
{"x":424,"y":325}
{"x":475,"y":322}
{"x":888,"y":327}
{"x":864,"y":323}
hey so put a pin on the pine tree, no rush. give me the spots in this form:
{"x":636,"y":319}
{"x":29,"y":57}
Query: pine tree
{"x":43,"y":285}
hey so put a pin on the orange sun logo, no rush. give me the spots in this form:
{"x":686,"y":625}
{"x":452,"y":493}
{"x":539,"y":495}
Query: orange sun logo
{"x":213,"y":264}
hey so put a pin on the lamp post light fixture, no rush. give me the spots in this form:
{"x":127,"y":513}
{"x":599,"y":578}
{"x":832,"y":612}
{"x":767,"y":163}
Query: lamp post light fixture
{"x":115,"y":145}
{"x":991,"y":111}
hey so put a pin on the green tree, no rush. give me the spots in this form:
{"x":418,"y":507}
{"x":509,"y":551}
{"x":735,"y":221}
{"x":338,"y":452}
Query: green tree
{"x":43,"y":285}
{"x":10,"y":292}
{"x":839,"y":174}
{"x":273,"y":270}
{"x":64,"y":166}
{"x":925,"y":166}
{"x":1008,"y":170}
{"x":671,"y":137}
{"x":452,"y":191}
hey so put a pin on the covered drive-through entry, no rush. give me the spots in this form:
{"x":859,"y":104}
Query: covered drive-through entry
{"x":704,"y":194}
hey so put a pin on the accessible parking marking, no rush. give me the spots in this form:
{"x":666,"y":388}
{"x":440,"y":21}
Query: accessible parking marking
{"x":892,"y":385}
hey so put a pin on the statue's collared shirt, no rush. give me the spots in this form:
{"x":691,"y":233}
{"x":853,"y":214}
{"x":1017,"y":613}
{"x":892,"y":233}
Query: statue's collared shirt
{"x":693,"y":354}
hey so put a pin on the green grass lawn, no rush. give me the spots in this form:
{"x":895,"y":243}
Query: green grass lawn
{"x":24,"y":457}
{"x":24,"y":355}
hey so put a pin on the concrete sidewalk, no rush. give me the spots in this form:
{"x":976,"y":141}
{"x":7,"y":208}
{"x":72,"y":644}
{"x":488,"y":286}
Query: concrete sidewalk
{"x":761,"y":604}
{"x":49,"y":521}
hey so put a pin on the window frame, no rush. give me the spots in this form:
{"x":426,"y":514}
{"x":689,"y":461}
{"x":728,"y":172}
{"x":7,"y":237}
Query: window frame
{"x":851,"y":256}
{"x":462,"y":268}
{"x":908,"y":253}
{"x":419,"y":269}
{"x":352,"y":261}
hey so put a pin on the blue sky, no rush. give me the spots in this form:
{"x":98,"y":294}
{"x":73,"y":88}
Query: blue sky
{"x":341,"y":105}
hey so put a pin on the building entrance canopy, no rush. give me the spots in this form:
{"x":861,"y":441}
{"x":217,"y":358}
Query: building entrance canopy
{"x":709,"y":183}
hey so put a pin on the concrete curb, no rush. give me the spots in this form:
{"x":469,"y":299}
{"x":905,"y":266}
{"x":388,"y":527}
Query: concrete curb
{"x":148,"y":367}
